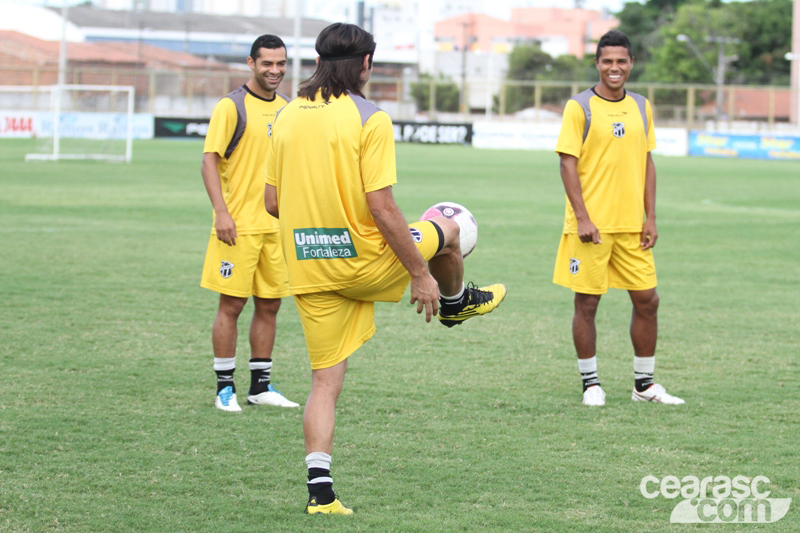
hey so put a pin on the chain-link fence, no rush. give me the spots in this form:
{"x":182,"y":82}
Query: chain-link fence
{"x":193,"y":93}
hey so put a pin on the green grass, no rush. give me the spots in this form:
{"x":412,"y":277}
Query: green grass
{"x":106,"y":413}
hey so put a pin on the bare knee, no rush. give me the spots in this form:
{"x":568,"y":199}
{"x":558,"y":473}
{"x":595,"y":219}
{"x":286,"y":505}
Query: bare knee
{"x":586,"y":305}
{"x":451,"y":233}
{"x":645,"y":303}
{"x":267,"y":306}
{"x":231,"y":306}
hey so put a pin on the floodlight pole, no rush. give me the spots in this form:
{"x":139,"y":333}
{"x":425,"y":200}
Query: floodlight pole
{"x":722,"y":62}
{"x":62,"y":72}
{"x":296,"y":60}
{"x":794,"y":57}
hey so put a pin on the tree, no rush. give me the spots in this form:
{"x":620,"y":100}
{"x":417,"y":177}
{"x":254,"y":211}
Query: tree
{"x":642,"y":24}
{"x":531,"y":63}
{"x":676,"y":61}
{"x":447,"y":93}
{"x":762,"y":26}
{"x":765,"y":30}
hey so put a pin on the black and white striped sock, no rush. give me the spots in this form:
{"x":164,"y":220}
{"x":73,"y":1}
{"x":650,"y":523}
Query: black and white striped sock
{"x":644,"y":369}
{"x":225,"y":367}
{"x":320,"y":482}
{"x":588,"y":370}
{"x":260,"y":370}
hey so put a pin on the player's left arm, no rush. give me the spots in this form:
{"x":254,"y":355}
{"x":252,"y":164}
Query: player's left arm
{"x":271,"y":199}
{"x":649,"y":232}
{"x":392,"y":225}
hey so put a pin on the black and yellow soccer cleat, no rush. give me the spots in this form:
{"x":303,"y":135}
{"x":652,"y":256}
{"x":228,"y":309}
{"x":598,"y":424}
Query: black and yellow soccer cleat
{"x":335,"y":507}
{"x":478,"y":301}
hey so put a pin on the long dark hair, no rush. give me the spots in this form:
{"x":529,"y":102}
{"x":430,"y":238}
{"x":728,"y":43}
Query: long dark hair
{"x":341,"y":48}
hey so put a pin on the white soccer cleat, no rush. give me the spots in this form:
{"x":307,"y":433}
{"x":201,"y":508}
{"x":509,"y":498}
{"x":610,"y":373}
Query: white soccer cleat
{"x":594,"y":396}
{"x":656,"y":393}
{"x":271,"y":397}
{"x":226,"y":400}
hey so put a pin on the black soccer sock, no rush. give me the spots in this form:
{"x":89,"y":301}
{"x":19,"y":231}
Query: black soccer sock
{"x":260,"y":370}
{"x":457,"y":301}
{"x":588,"y":370}
{"x":224,"y":369}
{"x":320,"y":483}
{"x":320,"y":486}
{"x":643,"y":371}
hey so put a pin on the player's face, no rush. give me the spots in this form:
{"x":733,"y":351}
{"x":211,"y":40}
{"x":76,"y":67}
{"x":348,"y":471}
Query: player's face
{"x":269,"y":68}
{"x":614,"y":65}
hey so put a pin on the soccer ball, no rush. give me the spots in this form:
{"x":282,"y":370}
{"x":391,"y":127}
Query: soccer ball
{"x":462,"y":217}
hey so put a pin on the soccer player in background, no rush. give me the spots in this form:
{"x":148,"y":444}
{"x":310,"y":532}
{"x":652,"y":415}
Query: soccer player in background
{"x":606,"y":138}
{"x":347,"y":245}
{"x":244,"y":256}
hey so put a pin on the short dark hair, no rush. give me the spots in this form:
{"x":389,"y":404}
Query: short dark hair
{"x":266,"y":41}
{"x":341,"y":48}
{"x":614,"y":38}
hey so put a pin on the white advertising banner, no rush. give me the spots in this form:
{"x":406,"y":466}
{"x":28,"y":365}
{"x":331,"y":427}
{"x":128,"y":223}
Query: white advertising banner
{"x":544,"y":136}
{"x":25,"y":124}
{"x":515,"y":136}
{"x":20,"y":124}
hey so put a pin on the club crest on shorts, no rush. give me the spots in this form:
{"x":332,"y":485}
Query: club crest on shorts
{"x":574,"y":265}
{"x":416,"y":235}
{"x":226,"y":269}
{"x":619,"y":129}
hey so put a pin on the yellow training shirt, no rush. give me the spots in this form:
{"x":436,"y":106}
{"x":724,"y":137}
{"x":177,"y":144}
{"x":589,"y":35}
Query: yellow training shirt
{"x":324,"y":157}
{"x":238,"y":132}
{"x":611,"y":140}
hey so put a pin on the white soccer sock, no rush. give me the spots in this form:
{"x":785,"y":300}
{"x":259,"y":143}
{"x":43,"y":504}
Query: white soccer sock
{"x":455,"y":297}
{"x":644,"y":367}
{"x":319,"y":460}
{"x":224,"y":363}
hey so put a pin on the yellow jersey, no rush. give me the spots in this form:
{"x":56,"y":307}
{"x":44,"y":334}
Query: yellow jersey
{"x":611,"y":140}
{"x":324,"y":157}
{"x":239,"y":133}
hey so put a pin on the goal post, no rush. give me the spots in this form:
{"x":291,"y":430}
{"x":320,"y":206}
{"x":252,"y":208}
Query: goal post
{"x":75,"y":121}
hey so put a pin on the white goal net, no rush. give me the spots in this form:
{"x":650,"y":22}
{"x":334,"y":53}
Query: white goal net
{"x":71,"y":121}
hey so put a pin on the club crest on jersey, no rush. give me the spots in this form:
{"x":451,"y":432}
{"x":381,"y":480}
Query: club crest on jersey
{"x":619,"y":129}
{"x":416,"y":235}
{"x":226,"y":269}
{"x":574,"y":265}
{"x":269,"y":129}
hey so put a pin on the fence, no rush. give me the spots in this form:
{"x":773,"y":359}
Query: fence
{"x":193,"y":93}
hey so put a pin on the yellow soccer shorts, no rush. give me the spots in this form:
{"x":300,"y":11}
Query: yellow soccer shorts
{"x":337,"y":323}
{"x":619,"y":263}
{"x":253,"y":267}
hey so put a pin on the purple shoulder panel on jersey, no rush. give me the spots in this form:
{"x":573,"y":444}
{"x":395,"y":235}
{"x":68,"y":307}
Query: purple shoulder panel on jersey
{"x":365,"y":108}
{"x":583,"y":100}
{"x":641,"y":101}
{"x":237,"y":96}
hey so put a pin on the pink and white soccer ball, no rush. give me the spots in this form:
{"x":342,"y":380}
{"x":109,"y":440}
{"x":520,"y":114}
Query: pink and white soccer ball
{"x":462,"y":217}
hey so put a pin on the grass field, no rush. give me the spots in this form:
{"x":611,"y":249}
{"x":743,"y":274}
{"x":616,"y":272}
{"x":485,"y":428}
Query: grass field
{"x":107,"y":421}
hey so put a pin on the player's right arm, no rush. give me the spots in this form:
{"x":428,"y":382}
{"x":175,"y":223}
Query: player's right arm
{"x":587,"y":231}
{"x":220,"y":131}
{"x":569,"y":145}
{"x":224,"y":224}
